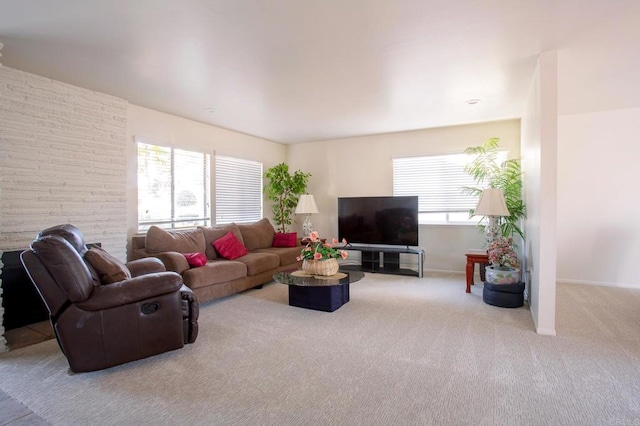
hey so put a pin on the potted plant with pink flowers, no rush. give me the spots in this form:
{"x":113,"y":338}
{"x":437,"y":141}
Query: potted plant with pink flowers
{"x":504,"y":267}
{"x":320,"y":257}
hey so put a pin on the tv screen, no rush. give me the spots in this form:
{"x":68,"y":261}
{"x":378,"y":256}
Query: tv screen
{"x":378,"y":220}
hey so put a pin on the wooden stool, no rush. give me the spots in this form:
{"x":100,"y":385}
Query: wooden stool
{"x":473,"y":257}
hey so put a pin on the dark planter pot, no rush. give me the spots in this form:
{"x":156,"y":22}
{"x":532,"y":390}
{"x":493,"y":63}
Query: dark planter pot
{"x":504,"y":295}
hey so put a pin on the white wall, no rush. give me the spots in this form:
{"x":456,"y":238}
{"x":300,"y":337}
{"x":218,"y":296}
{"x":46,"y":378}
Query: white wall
{"x":539,"y":153}
{"x":62,"y":160}
{"x":363,"y":167}
{"x":598,"y":202}
{"x":598,"y":152}
{"x":166,"y":129}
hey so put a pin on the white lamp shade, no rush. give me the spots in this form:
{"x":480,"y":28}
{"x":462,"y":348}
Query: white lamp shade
{"x":492,"y":203}
{"x":306,"y":205}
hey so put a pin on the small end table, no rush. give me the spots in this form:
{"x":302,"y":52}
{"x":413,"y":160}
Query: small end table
{"x":473,"y":257}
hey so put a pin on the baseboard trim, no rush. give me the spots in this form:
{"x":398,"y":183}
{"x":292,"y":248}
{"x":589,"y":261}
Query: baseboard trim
{"x":598,"y":283}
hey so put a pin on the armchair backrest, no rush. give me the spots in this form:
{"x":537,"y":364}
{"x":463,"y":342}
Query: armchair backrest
{"x":69,"y":233}
{"x":65,"y":266}
{"x":57,"y":269}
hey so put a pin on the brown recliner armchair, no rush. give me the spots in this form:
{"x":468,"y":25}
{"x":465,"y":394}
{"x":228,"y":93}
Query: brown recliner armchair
{"x":100,"y":325}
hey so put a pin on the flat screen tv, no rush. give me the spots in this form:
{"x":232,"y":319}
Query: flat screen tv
{"x":378,"y":220}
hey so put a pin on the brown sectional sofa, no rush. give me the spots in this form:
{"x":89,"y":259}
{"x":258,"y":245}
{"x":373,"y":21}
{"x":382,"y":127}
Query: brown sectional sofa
{"x":219,"y":277}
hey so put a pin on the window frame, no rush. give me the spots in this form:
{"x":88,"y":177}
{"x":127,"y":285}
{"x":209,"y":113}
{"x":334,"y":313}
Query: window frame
{"x":172,"y":222}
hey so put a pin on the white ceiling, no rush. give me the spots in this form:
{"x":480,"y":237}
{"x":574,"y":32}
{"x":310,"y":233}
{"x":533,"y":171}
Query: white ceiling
{"x":300,"y":70}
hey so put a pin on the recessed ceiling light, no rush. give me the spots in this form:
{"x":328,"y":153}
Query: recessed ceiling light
{"x":210,"y":110}
{"x":473,"y":101}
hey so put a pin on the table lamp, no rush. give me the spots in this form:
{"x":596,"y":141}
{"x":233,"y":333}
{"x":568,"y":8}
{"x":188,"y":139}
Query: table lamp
{"x":307,"y":206}
{"x":492,"y":205}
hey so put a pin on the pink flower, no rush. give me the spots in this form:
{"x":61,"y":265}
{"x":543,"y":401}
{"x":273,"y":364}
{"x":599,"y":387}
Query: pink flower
{"x":327,"y":245}
{"x":317,"y":256}
{"x":314,"y":236}
{"x":299,"y":258}
{"x":334,"y":241}
{"x":344,"y":254}
{"x":344,"y":241}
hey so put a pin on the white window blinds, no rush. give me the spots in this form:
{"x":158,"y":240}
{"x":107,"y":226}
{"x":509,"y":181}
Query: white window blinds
{"x":238,"y":190}
{"x":437,"y":180}
{"x":173,"y":187}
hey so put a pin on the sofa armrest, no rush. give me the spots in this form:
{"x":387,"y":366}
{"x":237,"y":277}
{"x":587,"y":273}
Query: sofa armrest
{"x":131,"y":291}
{"x":145,"y":266}
{"x":173,"y":261}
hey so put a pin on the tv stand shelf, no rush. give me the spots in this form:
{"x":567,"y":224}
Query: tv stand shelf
{"x":385,"y":260}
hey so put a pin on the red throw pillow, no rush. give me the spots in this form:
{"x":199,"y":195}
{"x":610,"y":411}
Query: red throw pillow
{"x":229,"y":247}
{"x":289,"y":239}
{"x":195,"y":259}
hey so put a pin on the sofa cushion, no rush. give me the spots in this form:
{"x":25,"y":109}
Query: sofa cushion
{"x":212,"y":234}
{"x":259,"y":262}
{"x":159,"y":240}
{"x":195,"y":259}
{"x":257,"y":235}
{"x":214,"y":272}
{"x":229,"y":247}
{"x":289,"y":239}
{"x":109,"y":268}
{"x":287,"y":255}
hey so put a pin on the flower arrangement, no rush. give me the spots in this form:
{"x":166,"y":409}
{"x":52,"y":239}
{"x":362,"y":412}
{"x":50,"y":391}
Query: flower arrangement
{"x":317,"y":249}
{"x":502,"y":254}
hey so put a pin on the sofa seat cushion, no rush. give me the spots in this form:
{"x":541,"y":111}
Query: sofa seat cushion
{"x":159,"y":240}
{"x":287,"y":255}
{"x":214,"y":272}
{"x":257,"y":235}
{"x":258,"y":263}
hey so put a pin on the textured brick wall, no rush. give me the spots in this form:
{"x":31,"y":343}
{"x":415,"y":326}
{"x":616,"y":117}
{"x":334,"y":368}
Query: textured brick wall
{"x":62,"y":160}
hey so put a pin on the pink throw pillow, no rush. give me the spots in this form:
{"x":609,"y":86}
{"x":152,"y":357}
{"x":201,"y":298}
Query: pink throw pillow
{"x":289,"y":239}
{"x":229,"y":247}
{"x":195,"y":259}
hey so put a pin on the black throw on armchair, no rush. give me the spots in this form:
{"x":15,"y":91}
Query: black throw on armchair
{"x":103,"y":312}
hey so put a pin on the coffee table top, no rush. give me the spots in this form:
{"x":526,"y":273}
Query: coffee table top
{"x":298,"y":278}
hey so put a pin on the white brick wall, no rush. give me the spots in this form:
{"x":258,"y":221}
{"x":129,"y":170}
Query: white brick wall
{"x":62,"y":160}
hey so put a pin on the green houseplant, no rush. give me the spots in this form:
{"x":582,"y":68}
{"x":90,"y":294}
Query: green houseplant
{"x":488,"y":172}
{"x":283,"y":189}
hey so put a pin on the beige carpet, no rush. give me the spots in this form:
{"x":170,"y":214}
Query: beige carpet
{"x":404,"y":351}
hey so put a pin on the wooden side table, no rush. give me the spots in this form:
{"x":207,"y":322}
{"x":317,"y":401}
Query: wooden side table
{"x":473,"y":257}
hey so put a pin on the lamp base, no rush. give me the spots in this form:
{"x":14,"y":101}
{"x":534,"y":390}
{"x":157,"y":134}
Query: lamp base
{"x":307,"y":226}
{"x":492,"y":231}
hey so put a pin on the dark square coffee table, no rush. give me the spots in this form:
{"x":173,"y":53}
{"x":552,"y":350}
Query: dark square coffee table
{"x":319,"y":293}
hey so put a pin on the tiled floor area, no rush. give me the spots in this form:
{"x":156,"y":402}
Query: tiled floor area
{"x":29,"y":335}
{"x":13,"y":412}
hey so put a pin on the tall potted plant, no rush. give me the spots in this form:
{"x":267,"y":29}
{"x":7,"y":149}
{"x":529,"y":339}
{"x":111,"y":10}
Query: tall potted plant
{"x":488,"y":172}
{"x":284,"y":189}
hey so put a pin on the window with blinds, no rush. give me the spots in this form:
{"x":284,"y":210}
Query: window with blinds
{"x":437,"y":180}
{"x":173,"y":187}
{"x":238,"y":190}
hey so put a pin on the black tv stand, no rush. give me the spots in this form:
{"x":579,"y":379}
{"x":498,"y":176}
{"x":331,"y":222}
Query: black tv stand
{"x":385,"y":260}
